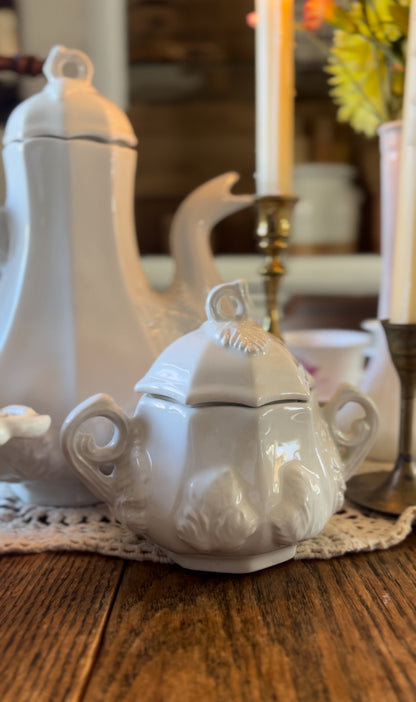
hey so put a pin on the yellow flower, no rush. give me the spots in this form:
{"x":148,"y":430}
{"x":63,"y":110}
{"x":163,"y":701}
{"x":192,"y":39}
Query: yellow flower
{"x":367,"y":58}
{"x":357,"y":71}
{"x":374,"y":19}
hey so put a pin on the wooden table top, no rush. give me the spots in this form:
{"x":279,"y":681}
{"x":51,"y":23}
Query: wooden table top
{"x":78,"y":626}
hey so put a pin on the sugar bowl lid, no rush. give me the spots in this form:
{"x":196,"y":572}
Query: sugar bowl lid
{"x":69,"y":106}
{"x":229,"y":359}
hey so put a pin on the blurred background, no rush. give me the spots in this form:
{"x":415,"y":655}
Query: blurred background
{"x":184,"y":72}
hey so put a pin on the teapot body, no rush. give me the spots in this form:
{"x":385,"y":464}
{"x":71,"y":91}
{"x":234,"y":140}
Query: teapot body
{"x":64,"y":282}
{"x":68,"y":310}
{"x":77,"y":313}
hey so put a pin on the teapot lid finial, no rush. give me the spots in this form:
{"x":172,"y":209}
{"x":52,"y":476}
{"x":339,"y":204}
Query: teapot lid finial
{"x":69,"y":107}
{"x":62,"y":62}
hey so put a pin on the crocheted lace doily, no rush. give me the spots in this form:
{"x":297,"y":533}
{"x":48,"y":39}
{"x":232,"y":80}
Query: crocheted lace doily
{"x":30,"y":529}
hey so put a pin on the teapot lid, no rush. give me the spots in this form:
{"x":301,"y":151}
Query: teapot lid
{"x":229,"y":359}
{"x":69,"y":107}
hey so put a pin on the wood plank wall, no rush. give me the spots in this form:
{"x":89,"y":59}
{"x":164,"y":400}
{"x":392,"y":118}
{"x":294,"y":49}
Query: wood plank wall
{"x":192,"y":107}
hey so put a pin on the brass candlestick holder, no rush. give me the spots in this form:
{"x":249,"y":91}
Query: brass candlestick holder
{"x":273,"y":232}
{"x":391,"y":492}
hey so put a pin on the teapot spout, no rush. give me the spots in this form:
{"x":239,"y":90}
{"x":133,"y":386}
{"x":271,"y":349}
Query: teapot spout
{"x":191,"y":229}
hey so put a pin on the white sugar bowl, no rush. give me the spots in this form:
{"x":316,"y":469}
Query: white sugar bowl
{"x":229,"y":461}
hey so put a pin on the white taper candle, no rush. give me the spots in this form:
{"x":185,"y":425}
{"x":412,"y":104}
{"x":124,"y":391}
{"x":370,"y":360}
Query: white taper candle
{"x":275,"y":93}
{"x":403,"y":290}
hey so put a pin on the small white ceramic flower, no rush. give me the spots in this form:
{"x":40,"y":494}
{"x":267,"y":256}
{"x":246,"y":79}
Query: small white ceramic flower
{"x":20,"y":422}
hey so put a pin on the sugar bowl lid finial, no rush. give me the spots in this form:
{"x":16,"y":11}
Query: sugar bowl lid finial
{"x":228,"y":359}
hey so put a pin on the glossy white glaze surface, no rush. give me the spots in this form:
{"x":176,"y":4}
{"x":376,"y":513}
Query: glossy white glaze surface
{"x":69,"y":106}
{"x":228,"y":359}
{"x":77,"y":314}
{"x":222,"y":479}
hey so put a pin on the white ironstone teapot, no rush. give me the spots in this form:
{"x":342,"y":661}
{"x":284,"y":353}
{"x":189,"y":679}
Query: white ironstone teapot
{"x":228,"y":461}
{"x":76,"y":310}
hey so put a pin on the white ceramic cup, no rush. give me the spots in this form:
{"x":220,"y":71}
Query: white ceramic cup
{"x":331,"y":356}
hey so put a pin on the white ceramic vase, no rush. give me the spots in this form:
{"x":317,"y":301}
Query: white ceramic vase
{"x":380,"y":380}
